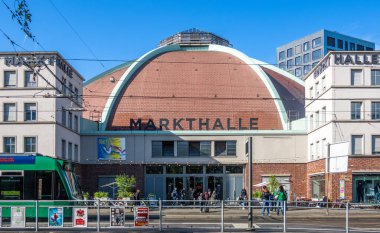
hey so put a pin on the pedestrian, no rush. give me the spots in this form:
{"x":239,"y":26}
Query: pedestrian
{"x":265,"y":194}
{"x":174,"y":196}
{"x":280,"y":197}
{"x":200,"y":199}
{"x":206,"y":198}
{"x":243,"y":197}
{"x":213,"y":198}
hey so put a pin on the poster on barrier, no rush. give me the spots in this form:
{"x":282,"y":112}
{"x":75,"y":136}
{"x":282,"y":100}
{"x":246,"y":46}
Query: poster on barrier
{"x":141,"y":217}
{"x":17,"y":217}
{"x":55,"y":217}
{"x":1,"y":216}
{"x":80,"y":217}
{"x":117,"y":217}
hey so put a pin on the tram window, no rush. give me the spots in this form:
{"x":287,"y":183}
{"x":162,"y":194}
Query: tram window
{"x":234,"y":169}
{"x":44,"y":185}
{"x":59,"y":189}
{"x":11,"y":188}
{"x":30,"y":185}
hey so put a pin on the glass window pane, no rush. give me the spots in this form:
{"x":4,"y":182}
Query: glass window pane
{"x":154,"y":169}
{"x":234,"y":169}
{"x":317,"y":42}
{"x":10,"y":79}
{"x":375,"y":77}
{"x":340,"y":44}
{"x":220,"y":148}
{"x":298,"y":60}
{"x":168,"y":148}
{"x":30,"y":144}
{"x":231,"y":148}
{"x":289,"y":64}
{"x":316,"y":54}
{"x":356,"y":110}
{"x":205,"y":148}
{"x":306,"y":46}
{"x":194,"y":169}
{"x":357,"y":144}
{"x":174,"y":169}
{"x":331,"y":41}
{"x":30,"y":112}
{"x":182,"y":148}
{"x":298,"y":72}
{"x":30,"y":79}
{"x":356,"y":77}
{"x":214,"y":169}
{"x":281,"y":55}
{"x":156,"y":149}
{"x":194,"y":149}
{"x":375,"y":110}
{"x":376,"y":144}
{"x":289,"y":52}
{"x":9,"y":145}
{"x":306,"y":58}
{"x":10,"y":112}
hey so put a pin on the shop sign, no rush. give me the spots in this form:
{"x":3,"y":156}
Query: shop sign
{"x":342,"y":189}
{"x":112,"y":148}
{"x":193,"y":124}
{"x":117,"y":217}
{"x":18,"y":159}
{"x":141,"y":217}
{"x":17,"y":217}
{"x":55,"y":217}
{"x":80,"y":217}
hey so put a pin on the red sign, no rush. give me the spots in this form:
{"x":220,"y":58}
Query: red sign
{"x":141,"y":215}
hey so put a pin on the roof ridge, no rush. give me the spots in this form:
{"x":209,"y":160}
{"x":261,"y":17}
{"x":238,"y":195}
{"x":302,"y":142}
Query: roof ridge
{"x":107,"y":72}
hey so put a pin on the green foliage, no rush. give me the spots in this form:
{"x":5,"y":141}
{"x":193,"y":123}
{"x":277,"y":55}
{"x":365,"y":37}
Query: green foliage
{"x":257,"y":194}
{"x":125,"y":185}
{"x":100,"y":195}
{"x":22,"y":15}
{"x":86,"y":195}
{"x":273,"y":184}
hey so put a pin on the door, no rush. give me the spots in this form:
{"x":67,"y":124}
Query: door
{"x":194,"y":185}
{"x":171,"y":184}
{"x":216,"y":183}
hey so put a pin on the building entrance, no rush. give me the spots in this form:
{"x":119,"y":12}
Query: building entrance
{"x":173,"y":185}
{"x":215,"y":183}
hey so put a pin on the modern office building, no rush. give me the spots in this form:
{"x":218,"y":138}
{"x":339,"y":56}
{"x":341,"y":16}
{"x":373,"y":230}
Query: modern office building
{"x":40,"y":105}
{"x":300,"y":56}
{"x":343,"y":105}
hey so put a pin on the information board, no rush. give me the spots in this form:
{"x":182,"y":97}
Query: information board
{"x":141,"y":216}
{"x":117,"y":216}
{"x":80,"y":217}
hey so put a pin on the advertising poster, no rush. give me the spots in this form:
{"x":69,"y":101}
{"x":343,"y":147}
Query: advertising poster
{"x":342,"y":189}
{"x":111,"y":149}
{"x":80,"y":217}
{"x":1,"y":216}
{"x":17,"y":217}
{"x":117,"y":217}
{"x":55,"y":217}
{"x":141,"y":217}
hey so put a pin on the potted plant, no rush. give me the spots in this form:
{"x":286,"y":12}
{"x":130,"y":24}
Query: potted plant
{"x":125,"y":186}
{"x":86,"y":196}
{"x":103,"y":196}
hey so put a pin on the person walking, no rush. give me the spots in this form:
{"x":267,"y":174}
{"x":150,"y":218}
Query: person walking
{"x":265,"y":195}
{"x":281,"y":197}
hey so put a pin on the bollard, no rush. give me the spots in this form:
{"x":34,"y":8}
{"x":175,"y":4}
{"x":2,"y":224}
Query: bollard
{"x":222,"y":216}
{"x":284,"y":207}
{"x":36,"y":215}
{"x":160,"y":212}
{"x":98,"y":215}
{"x":347,"y":209}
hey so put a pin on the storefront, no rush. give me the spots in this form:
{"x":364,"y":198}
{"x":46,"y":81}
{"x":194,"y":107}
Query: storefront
{"x":366,"y":188}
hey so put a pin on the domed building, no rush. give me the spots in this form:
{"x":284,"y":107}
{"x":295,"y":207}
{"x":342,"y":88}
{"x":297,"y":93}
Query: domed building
{"x":179,"y":117}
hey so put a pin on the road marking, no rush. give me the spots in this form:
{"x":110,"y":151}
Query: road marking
{"x":242,"y":225}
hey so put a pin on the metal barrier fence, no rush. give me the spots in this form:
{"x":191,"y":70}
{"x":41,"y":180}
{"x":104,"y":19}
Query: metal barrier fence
{"x":163,"y":214}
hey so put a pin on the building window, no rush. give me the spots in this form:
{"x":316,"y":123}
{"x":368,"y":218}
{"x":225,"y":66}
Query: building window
{"x":346,"y":46}
{"x":311,"y":122}
{"x":30,"y":111}
{"x":375,"y":110}
{"x":316,"y":89}
{"x":289,"y":64}
{"x":76,"y":123}
{"x":162,"y":148}
{"x":298,"y":49}
{"x":368,"y":49}
{"x":76,"y":94}
{"x":30,"y":79}
{"x":70,"y":125}
{"x":298,"y":72}
{"x":352,"y":46}
{"x":154,"y":170}
{"x":76,"y":152}
{"x":375,"y":144}
{"x":311,"y":93}
{"x":70,"y":153}
{"x":318,"y":150}
{"x":281,"y":55}
{"x":356,"y":109}
{"x":194,"y":148}
{"x":316,"y":54}
{"x":63,"y":88}
{"x":306,"y":58}
{"x":331,"y":41}
{"x":317,"y":119}
{"x":324,"y":147}
{"x":234,"y":169}
{"x":10,"y":79}
{"x":298,"y":60}
{"x":30,"y":144}
{"x":9,"y":144}
{"x":194,"y":169}
{"x":316,"y":42}
{"x":10,"y":112}
{"x":289,"y":52}
{"x":357,"y":144}
{"x":359,"y":47}
{"x":312,"y":151}
{"x":63,"y":117}
{"x":306,"y":46}
{"x":356,"y":77}
{"x":323,"y":116}
{"x":225,"y":148}
{"x":306,"y":69}
{"x":63,"y":148}
{"x":317,"y":186}
{"x":282,"y":65}
{"x":375,"y":77}
{"x":314,"y":64}
{"x":70,"y":88}
{"x":340,"y":44}
{"x":323,"y":83}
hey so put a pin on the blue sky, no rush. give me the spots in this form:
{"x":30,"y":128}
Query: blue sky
{"x":127,"y":29}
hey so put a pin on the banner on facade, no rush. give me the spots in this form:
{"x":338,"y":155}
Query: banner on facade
{"x":117,"y":217}
{"x":80,"y":217}
{"x":55,"y":215}
{"x":112,"y":148}
{"x":141,"y":216}
{"x":342,"y":189}
{"x":18,"y":217}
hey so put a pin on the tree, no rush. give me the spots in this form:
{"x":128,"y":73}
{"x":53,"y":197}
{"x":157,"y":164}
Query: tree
{"x":273,"y":184}
{"x":125,"y":185}
{"x":22,"y":15}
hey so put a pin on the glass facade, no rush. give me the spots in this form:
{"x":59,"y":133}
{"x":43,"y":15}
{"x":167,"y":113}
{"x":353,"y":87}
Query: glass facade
{"x":317,"y":186}
{"x":366,"y":188}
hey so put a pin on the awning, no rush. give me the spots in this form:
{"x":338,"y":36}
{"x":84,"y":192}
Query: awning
{"x":260,"y":184}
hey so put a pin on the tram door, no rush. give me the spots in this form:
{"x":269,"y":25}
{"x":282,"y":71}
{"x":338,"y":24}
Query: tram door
{"x":216,"y":183}
{"x":171,"y":183}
